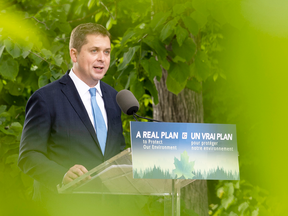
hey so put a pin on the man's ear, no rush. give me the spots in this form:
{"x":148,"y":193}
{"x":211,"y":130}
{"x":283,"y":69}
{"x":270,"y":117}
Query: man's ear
{"x":73,"y":54}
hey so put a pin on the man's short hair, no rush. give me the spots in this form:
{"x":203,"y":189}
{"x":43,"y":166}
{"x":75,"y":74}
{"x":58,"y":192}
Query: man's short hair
{"x":78,"y":34}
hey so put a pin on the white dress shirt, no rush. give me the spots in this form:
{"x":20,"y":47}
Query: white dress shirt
{"x":83,"y":90}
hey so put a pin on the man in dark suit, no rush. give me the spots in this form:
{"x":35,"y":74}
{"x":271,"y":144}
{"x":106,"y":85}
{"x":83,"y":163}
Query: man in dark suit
{"x":60,"y":141}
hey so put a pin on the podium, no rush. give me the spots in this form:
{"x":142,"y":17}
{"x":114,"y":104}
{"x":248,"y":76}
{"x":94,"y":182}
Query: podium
{"x":115,"y":176}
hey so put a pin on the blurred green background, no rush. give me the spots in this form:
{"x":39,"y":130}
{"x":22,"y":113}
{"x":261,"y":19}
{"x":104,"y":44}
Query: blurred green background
{"x":232,"y":52}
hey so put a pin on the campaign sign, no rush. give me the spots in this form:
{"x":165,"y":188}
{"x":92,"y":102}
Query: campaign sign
{"x":184,"y":151}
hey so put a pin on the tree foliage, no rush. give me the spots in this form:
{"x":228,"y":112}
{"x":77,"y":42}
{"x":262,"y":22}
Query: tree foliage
{"x":240,"y":198}
{"x":186,"y":38}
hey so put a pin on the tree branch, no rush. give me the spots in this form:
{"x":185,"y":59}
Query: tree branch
{"x":38,"y":21}
{"x":107,"y":10}
{"x":40,"y":57}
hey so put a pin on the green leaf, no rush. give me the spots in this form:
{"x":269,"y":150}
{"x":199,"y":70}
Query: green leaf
{"x":164,"y":62}
{"x":189,"y":4}
{"x":159,"y":19}
{"x":201,"y":7}
{"x":190,"y":24}
{"x":227,"y":194}
{"x":174,"y":86}
{"x":179,"y":71}
{"x":1,"y":86}
{"x":128,"y":57}
{"x":25,"y":53}
{"x":1,"y":49}
{"x":200,"y":18}
{"x":55,"y":74}
{"x":66,"y":8}
{"x":194,"y":85}
{"x":78,"y":9}
{"x":8,"y":131}
{"x":42,"y":81}
{"x":8,"y":140}
{"x":145,"y":64}
{"x":168,"y":29}
{"x":126,"y":71}
{"x":137,"y":88}
{"x":56,"y":47}
{"x":255,"y":212}
{"x":178,"y":9}
{"x":12,"y":48}
{"x":15,"y":170}
{"x":108,"y":78}
{"x":16,"y":127}
{"x":201,"y":66}
{"x":186,"y":51}
{"x":183,"y":167}
{"x":155,"y":44}
{"x":233,"y":214}
{"x":177,"y":77}
{"x":9,"y":69}
{"x":58,"y":60}
{"x":110,"y":23}
{"x":242,"y":207}
{"x":152,"y":89}
{"x":2,"y":108}
{"x":181,"y":34}
{"x":177,"y":59}
{"x":15,"y":88}
{"x":46,"y":53}
{"x":12,"y":159}
{"x":128,"y":34}
{"x":223,"y":75}
{"x":64,"y":27}
{"x":215,"y":76}
{"x":131,"y":78}
{"x":90,"y":4}
{"x":5,"y":116}
{"x":36,"y":58}
{"x":159,"y":48}
{"x":98,"y":16}
{"x":152,"y":67}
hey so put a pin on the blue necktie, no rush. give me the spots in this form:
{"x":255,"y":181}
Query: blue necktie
{"x":99,"y":122}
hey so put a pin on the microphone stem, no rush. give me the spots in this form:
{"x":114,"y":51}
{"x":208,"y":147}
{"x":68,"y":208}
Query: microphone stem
{"x":134,"y":114}
{"x":135,"y":117}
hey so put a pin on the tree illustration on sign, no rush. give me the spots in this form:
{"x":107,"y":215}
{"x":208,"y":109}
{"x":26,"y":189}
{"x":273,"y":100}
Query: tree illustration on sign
{"x":183,"y":168}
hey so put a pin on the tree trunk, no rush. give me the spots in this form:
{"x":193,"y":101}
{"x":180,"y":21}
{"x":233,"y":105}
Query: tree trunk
{"x":186,"y":107}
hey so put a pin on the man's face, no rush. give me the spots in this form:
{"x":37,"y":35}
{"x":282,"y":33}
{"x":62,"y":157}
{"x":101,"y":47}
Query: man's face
{"x":93,"y":60}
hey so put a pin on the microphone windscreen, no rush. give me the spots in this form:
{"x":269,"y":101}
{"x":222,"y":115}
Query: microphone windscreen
{"x":127,"y":102}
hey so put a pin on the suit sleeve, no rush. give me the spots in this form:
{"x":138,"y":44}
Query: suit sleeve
{"x":33,"y":152}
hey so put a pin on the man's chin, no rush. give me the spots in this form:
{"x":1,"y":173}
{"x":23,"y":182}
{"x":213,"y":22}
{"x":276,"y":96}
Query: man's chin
{"x":97,"y":78}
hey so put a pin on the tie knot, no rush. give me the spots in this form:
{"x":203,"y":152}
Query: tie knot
{"x":92,"y":91}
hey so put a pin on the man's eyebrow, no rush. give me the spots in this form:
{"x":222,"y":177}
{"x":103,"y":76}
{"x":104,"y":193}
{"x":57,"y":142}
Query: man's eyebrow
{"x":95,"y":47}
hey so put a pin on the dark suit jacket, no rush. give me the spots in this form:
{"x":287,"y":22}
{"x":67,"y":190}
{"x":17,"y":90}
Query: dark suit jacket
{"x":58,"y":133}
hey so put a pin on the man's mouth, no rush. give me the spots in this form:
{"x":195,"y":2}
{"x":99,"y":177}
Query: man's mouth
{"x":98,"y":67}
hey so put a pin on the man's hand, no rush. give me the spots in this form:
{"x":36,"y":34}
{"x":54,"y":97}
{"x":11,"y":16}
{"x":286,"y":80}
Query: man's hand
{"x":74,"y":172}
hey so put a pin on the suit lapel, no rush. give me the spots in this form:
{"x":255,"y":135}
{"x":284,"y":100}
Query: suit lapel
{"x":70,"y":91}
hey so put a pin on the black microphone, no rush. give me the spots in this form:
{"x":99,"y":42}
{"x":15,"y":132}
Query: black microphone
{"x":129,"y":104}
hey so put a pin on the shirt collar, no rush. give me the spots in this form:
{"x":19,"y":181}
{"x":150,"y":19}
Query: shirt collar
{"x":81,"y":86}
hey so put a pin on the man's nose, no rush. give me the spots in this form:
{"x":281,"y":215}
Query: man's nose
{"x":100,"y":56}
